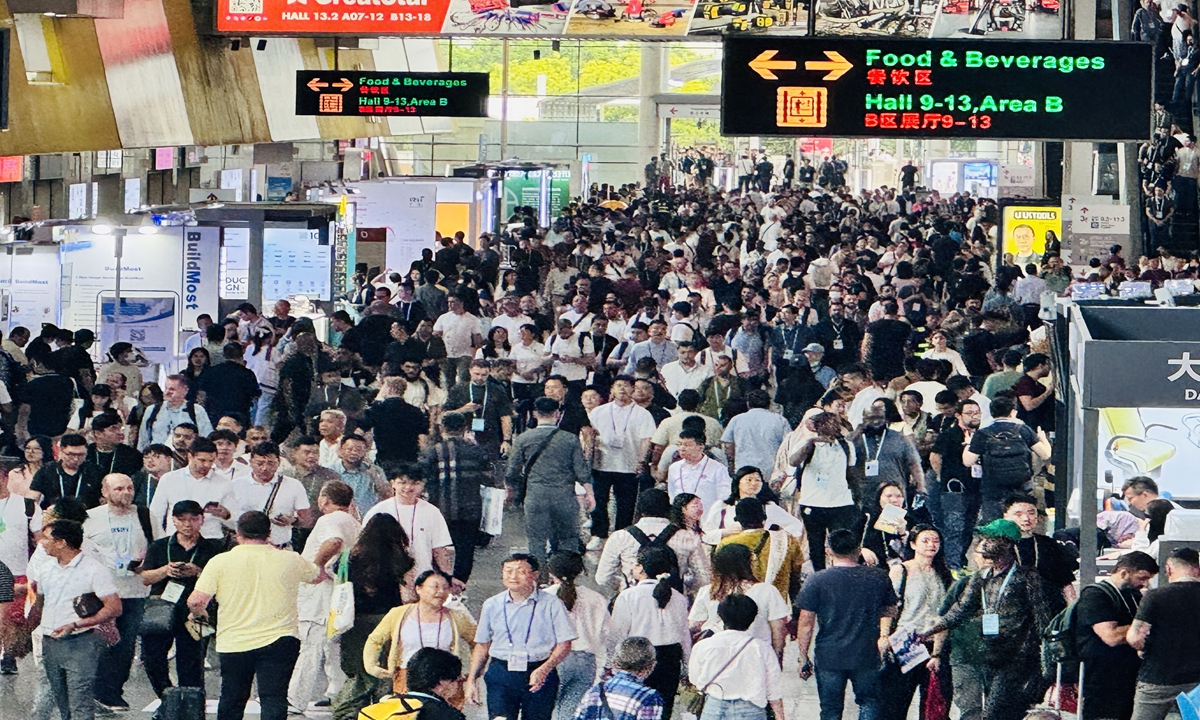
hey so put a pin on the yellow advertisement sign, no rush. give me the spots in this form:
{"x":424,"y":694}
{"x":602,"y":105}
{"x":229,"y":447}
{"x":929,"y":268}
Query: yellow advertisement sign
{"x":1026,"y":228}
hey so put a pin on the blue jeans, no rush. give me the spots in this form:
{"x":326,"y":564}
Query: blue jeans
{"x":831,"y":691}
{"x":576,"y":673}
{"x":959,"y":511}
{"x":717,"y":709}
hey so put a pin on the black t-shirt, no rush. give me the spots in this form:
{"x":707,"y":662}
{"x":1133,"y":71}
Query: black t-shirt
{"x":498,"y":404}
{"x":1104,"y":604}
{"x":168,"y":549}
{"x":49,"y":398}
{"x":848,"y":602}
{"x":949,"y":446}
{"x":121,"y":459}
{"x":397,"y":426}
{"x":1170,"y":656}
{"x":228,"y":387}
{"x":1054,"y":566}
{"x":436,"y":709}
{"x":53,"y":482}
{"x":908,"y":174}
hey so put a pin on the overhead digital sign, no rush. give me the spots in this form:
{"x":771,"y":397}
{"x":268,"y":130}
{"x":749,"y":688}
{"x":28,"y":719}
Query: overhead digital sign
{"x":851,"y":87}
{"x":415,"y":94}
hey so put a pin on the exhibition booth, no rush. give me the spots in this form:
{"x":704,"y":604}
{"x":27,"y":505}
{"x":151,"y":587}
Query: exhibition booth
{"x":1128,"y":375}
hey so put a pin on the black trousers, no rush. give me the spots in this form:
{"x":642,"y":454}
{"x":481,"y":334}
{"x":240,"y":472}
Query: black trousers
{"x":465,"y":535}
{"x":624,"y":487}
{"x":819,"y":521}
{"x":189,"y":659}
{"x":113,"y":671}
{"x":665,"y":677}
{"x":272,"y":665}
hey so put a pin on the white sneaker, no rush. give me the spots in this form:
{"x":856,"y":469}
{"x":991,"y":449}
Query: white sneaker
{"x":595,"y":543}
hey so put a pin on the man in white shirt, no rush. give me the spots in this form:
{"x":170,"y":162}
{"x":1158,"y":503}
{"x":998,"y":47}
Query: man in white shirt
{"x":736,"y":670}
{"x":571,"y":353}
{"x":283,"y":499}
{"x":331,"y":427}
{"x":71,"y":647}
{"x":684,"y":373}
{"x":116,"y":531}
{"x":194,"y":482}
{"x":512,"y":319}
{"x":696,"y":473}
{"x":336,"y":530}
{"x":577,"y":316}
{"x":622,"y":430}
{"x":428,"y":535}
{"x":857,"y":379}
{"x":460,"y":331}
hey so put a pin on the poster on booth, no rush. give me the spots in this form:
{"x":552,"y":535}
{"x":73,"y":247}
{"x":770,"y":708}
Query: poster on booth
{"x":33,"y":288}
{"x":201,"y":266}
{"x":150,"y":263}
{"x":1161,"y":443}
{"x":415,"y":212}
{"x":522,"y":188}
{"x":1025,"y":230}
{"x":296,"y":261}
{"x":147,"y":322}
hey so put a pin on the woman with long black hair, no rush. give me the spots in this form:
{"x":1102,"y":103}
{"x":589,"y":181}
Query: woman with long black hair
{"x":588,"y":611}
{"x":748,"y":482}
{"x":380,"y":565}
{"x":658,"y":612}
{"x":733,"y":572}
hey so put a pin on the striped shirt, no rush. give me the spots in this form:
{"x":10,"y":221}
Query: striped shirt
{"x":625,"y":698}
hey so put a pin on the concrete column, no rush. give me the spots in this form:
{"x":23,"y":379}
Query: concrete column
{"x":654,"y":58}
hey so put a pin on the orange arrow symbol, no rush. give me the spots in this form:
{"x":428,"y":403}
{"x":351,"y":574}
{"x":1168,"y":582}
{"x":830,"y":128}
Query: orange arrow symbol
{"x":344,"y":85}
{"x":837,"y":65}
{"x":315,"y":85}
{"x":763,"y":64}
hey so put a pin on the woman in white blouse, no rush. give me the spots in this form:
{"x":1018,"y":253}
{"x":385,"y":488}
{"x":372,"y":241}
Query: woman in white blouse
{"x":530,"y":356}
{"x":942,"y":351}
{"x":655,"y":610}
{"x":733,"y":572}
{"x":718,"y":522}
{"x":588,"y":611}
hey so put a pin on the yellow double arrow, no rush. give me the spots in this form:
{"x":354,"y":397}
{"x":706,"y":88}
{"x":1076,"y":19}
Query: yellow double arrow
{"x":764,"y":65}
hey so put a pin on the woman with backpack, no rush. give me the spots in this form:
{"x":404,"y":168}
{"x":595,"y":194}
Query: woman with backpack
{"x":824,"y":499}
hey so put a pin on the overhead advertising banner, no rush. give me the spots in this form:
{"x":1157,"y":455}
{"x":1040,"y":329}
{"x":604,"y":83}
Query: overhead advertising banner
{"x":33,"y":288}
{"x":1037,"y":20}
{"x":201,"y":264}
{"x":1025,"y":230}
{"x":419,"y":94}
{"x":850,"y":87}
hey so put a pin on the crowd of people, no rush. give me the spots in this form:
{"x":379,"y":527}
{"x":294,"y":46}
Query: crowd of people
{"x":808,"y":416}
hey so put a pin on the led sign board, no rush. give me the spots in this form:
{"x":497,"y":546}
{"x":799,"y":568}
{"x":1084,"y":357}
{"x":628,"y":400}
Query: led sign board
{"x":852,"y":87}
{"x":416,"y":94}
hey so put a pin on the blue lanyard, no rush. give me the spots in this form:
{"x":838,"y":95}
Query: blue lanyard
{"x":1000,"y":596}
{"x":528,"y":630}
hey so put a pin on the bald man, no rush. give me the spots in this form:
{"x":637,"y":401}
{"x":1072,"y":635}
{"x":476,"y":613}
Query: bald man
{"x":120,"y":532}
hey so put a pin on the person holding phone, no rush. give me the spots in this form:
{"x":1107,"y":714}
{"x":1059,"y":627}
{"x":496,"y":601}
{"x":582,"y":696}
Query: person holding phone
{"x":170,"y":568}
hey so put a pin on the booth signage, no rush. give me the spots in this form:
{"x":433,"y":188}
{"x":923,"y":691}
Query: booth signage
{"x":854,"y":87}
{"x":201,"y":263}
{"x":421,"y":94}
{"x":1168,"y":374}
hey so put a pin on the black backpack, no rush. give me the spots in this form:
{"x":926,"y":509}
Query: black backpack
{"x":1006,"y":454}
{"x":660,"y":540}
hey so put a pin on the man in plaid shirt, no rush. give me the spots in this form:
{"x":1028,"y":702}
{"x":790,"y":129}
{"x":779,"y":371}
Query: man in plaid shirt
{"x":623,"y":696}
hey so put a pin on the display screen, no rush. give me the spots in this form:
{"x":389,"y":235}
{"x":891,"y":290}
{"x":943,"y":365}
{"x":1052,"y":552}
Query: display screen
{"x":295,"y":263}
{"x":850,"y":87}
{"x":337,"y":92}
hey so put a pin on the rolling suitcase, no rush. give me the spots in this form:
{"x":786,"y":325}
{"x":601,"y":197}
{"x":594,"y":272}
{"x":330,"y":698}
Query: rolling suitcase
{"x":181,"y":703}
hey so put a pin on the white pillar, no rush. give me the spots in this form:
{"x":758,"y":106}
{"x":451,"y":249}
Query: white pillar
{"x":651,"y":83}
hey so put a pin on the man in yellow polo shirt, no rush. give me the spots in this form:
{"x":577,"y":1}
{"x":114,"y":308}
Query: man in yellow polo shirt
{"x":256,"y":585}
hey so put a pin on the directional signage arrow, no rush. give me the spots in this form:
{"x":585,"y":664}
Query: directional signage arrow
{"x":763,"y":64}
{"x":315,"y":85}
{"x":344,"y":85}
{"x":836,"y":65}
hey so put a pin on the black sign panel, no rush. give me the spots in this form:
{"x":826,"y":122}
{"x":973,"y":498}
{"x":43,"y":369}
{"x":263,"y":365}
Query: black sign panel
{"x":858,"y":87}
{"x":415,"y":94}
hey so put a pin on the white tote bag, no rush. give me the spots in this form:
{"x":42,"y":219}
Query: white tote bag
{"x":341,"y":603}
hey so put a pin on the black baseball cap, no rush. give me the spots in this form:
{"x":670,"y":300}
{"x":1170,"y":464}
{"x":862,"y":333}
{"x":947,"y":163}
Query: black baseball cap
{"x":186,"y":507}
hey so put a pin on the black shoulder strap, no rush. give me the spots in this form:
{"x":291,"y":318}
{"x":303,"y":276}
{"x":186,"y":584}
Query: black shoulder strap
{"x":143,"y":514}
{"x":642,"y":538}
{"x":537,"y":453}
{"x":152,"y":417}
{"x":665,"y":536}
{"x":762,"y":543}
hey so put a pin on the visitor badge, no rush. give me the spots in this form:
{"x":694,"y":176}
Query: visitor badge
{"x":872,"y":468}
{"x":172,"y":592}
{"x":991,"y":624}
{"x":1159,"y":214}
{"x":477,"y":425}
{"x":916,"y":307}
{"x":976,"y":471}
{"x":837,"y":343}
{"x":518,"y":662}
{"x":788,"y":354}
{"x":617,"y":442}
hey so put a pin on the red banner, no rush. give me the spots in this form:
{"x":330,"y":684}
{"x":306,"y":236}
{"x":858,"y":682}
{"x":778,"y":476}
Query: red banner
{"x":331,"y":17}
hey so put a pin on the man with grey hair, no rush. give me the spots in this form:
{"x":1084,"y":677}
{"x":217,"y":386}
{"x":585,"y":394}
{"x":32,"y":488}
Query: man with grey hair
{"x":625,"y":696}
